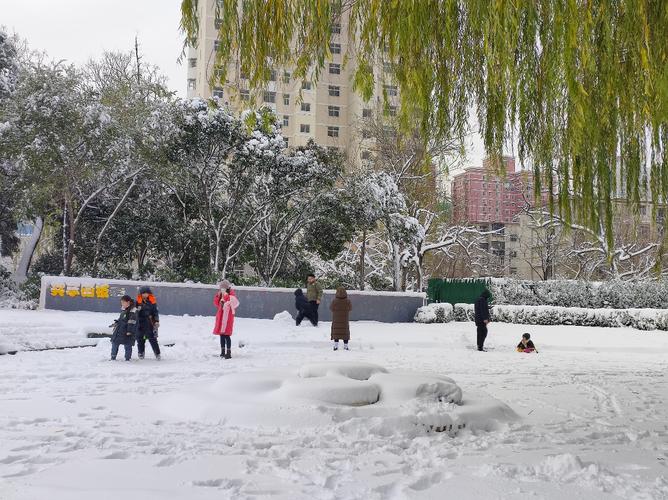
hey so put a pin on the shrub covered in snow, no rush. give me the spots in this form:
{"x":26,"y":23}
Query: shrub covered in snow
{"x":571,"y":293}
{"x":641,"y":319}
{"x":10,"y":295}
{"x":434,"y":313}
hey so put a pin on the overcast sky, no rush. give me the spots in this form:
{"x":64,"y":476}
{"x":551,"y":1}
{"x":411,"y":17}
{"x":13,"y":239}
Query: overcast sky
{"x":77,"y":30}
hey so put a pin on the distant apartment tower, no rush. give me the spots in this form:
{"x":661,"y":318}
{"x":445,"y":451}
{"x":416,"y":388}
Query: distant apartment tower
{"x":481,"y":195}
{"x":493,"y":201}
{"x":328,"y":111}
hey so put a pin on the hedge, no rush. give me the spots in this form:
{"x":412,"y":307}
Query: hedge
{"x":640,"y":319}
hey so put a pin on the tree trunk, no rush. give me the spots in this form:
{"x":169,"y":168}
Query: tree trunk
{"x":65,"y":232}
{"x":362,"y":260}
{"x":70,"y":245}
{"x":98,"y":241}
{"x":21,"y":273}
{"x":396,"y":268}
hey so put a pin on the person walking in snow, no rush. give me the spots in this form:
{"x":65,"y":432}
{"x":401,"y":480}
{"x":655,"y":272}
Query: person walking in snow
{"x":341,"y":307}
{"x":125,"y":328}
{"x":313,"y":295}
{"x":148,"y":322}
{"x":303,"y":308}
{"x":482,"y":317}
{"x":226,"y":302}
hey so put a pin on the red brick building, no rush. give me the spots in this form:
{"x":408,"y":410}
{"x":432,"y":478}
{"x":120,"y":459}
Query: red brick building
{"x":480,"y":195}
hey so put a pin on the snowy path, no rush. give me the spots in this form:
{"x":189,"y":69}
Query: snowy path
{"x":592,"y":408}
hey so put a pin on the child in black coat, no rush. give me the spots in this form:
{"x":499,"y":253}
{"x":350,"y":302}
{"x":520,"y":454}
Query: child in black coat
{"x":304,"y":308}
{"x":125,"y":328}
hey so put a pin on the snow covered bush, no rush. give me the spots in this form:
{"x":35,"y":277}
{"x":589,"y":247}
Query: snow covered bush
{"x":434,"y":313}
{"x":615,"y":294}
{"x":10,"y":295}
{"x":640,"y":319}
{"x":463,"y":312}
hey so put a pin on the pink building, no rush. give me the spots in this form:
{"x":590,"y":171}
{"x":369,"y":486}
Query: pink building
{"x":480,"y":195}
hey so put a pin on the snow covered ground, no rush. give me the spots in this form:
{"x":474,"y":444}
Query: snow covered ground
{"x":584,"y":418}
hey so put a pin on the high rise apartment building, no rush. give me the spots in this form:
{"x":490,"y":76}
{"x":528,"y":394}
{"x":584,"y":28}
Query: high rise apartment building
{"x":328,"y":111}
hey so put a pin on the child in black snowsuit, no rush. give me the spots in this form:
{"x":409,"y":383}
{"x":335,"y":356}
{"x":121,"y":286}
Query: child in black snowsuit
{"x":125,"y":328}
{"x":526,"y":345}
{"x":304,"y":308}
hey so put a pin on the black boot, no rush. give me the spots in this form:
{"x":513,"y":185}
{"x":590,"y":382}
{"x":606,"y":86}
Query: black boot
{"x":228,"y":354}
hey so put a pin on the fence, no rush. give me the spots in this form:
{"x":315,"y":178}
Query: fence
{"x":102,"y":295}
{"x":455,"y":291}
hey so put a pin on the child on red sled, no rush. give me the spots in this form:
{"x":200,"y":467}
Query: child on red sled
{"x":526,"y":345}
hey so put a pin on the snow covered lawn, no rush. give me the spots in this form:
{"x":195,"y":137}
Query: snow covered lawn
{"x":288,"y":418}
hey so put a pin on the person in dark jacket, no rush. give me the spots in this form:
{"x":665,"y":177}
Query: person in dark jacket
{"x":125,"y":328}
{"x":148,"y":322}
{"x":482,"y":317}
{"x":341,"y":308}
{"x":304,"y":309}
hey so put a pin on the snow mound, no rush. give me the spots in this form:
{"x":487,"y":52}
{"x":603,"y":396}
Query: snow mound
{"x":336,"y":390}
{"x":284,"y":317}
{"x":354,"y":370}
{"x":355,"y":396}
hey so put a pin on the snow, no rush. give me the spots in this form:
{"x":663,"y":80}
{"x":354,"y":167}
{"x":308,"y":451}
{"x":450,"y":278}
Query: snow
{"x":288,"y":418}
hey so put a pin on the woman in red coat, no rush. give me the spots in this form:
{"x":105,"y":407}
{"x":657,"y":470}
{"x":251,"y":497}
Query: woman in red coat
{"x":226,"y":302}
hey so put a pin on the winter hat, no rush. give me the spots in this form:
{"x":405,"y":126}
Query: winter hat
{"x":298,"y":292}
{"x":224,"y":285}
{"x":526,"y":336}
{"x":145,"y":289}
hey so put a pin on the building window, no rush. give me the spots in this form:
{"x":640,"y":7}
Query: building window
{"x":269,"y":96}
{"x":335,"y":48}
{"x":513,"y":270}
{"x":334,"y":90}
{"x":334,"y":111}
{"x":332,"y":131}
{"x":366,"y":134}
{"x":366,"y":155}
{"x":286,"y":77}
{"x":216,"y":45}
{"x":286,"y":99}
{"x":306,"y":85}
{"x":392,"y":110}
{"x":272,"y":75}
{"x":218,"y":93}
{"x":334,"y":69}
{"x":336,"y":28}
{"x":245,"y":95}
{"x":391,"y":90}
{"x":287,"y":142}
{"x":366,"y":113}
{"x":192,"y":62}
{"x":304,"y":128}
{"x":513,"y":237}
{"x":192,"y":83}
{"x":286,"y":120}
{"x":306,"y":106}
{"x":387,"y":67}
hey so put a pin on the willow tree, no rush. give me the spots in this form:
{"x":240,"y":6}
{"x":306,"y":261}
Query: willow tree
{"x":580,"y":85}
